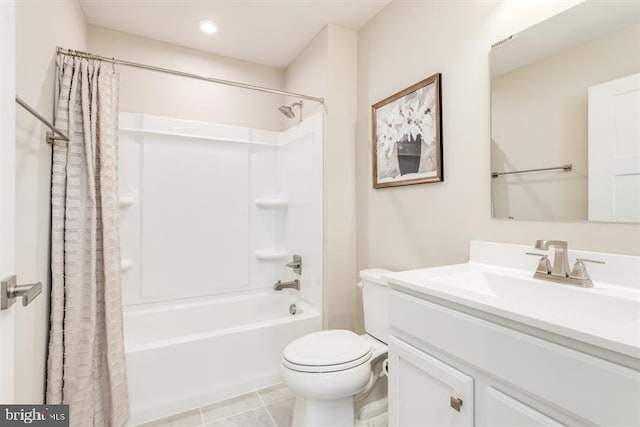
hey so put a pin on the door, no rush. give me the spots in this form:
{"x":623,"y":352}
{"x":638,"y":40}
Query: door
{"x":7,"y":189}
{"x":614,"y":150}
{"x":423,"y":391}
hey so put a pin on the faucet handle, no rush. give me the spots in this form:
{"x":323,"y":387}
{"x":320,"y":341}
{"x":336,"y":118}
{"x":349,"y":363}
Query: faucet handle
{"x":544,"y":265}
{"x":595,"y":261}
{"x":579,"y":271}
{"x":296,"y":264}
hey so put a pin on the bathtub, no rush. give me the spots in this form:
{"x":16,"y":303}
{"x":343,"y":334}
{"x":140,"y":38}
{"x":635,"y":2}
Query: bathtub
{"x":186,"y":354}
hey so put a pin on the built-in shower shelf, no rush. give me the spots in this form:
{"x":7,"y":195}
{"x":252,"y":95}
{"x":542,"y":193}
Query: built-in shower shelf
{"x":126,"y":201}
{"x":271,"y":255}
{"x":126,"y":264}
{"x":272,"y":203}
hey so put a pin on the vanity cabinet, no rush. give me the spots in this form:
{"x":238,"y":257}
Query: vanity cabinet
{"x":503,"y":376}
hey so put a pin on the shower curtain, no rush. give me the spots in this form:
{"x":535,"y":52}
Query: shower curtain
{"x":86,"y":362}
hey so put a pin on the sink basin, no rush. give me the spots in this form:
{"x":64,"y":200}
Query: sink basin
{"x":605,"y":315}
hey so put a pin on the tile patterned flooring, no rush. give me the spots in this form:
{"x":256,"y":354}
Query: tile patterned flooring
{"x":269,"y":407}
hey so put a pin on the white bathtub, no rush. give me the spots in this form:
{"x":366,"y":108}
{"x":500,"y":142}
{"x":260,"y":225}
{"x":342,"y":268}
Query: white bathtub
{"x":182,"y":355}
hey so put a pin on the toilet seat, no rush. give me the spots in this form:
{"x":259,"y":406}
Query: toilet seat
{"x":327,"y":351}
{"x":327,"y":368}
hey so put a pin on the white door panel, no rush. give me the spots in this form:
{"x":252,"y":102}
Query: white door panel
{"x":614,"y":150}
{"x":423,"y":390}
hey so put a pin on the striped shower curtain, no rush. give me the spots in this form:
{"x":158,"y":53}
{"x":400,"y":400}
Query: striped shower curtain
{"x":86,"y":362}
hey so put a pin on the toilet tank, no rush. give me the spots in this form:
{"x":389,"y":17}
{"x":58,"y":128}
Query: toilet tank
{"x":375,"y":303}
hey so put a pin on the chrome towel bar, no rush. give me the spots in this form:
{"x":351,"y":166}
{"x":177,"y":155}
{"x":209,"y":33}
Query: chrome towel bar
{"x":55,"y":134}
{"x":566,"y":168}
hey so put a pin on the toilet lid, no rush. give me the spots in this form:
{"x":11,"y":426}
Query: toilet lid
{"x":326,"y":348}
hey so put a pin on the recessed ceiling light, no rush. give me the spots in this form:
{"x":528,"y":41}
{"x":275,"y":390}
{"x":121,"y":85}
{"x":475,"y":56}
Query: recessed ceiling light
{"x":208,"y":27}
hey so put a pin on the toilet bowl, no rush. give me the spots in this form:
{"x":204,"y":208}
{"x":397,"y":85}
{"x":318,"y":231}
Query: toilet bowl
{"x":328,"y":369}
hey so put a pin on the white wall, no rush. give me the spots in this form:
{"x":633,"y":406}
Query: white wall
{"x":308,"y":74}
{"x":431,"y":224}
{"x":148,"y":92}
{"x":40,"y":27}
{"x":327,"y":68}
{"x":526,"y":133}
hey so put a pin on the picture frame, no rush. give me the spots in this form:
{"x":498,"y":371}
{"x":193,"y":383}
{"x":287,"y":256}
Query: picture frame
{"x":406,"y":136}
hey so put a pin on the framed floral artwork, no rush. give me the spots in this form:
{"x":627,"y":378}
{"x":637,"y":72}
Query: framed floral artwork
{"x":407,"y":136}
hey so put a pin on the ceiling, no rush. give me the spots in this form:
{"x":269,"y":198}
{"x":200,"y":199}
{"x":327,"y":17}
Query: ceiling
{"x":269,"y":32}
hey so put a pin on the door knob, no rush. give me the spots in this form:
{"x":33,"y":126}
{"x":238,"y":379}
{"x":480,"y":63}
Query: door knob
{"x":10,"y":291}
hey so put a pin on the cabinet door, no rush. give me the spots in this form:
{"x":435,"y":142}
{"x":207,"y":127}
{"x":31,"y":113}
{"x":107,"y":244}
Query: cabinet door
{"x":505,"y":411}
{"x":423,"y":391}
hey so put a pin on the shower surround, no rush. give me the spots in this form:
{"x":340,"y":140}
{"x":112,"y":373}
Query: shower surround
{"x":210,"y":215}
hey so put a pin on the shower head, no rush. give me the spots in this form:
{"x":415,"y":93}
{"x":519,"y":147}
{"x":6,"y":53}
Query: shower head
{"x":287,"y":110}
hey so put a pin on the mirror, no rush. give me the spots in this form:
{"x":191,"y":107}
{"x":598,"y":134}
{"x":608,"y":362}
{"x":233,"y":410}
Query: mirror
{"x":565,"y":117}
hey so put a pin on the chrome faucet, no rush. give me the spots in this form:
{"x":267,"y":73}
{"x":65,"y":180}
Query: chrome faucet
{"x":280,"y":285}
{"x":561,"y":257}
{"x":559,"y":271}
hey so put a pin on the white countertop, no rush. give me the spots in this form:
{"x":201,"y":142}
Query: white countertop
{"x":606,"y":315}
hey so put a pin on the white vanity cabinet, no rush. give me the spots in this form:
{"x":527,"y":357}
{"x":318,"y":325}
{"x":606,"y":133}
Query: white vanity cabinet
{"x":502,"y":376}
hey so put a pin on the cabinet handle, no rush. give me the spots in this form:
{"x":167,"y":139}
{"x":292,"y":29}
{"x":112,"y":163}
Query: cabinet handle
{"x":455,"y":403}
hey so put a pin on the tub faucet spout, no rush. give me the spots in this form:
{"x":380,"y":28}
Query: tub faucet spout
{"x":280,"y":285}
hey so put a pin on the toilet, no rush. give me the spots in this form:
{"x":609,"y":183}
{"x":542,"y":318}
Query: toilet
{"x":330,"y":370}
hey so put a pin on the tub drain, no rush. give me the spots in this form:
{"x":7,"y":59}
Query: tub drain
{"x":293,"y":309}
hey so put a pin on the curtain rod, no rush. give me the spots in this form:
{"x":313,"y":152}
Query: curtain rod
{"x":55,"y":134}
{"x":81,"y":54}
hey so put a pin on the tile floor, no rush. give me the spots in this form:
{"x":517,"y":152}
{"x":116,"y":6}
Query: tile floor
{"x":269,"y":407}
